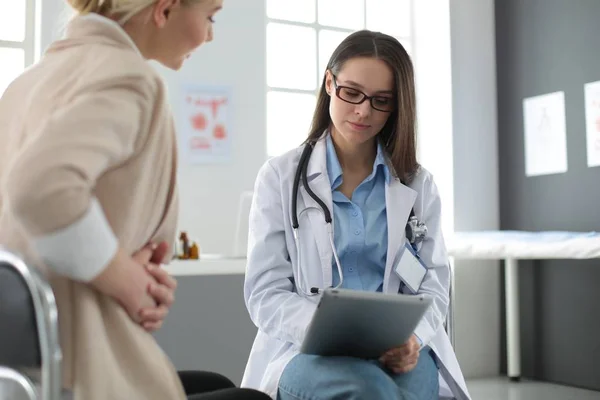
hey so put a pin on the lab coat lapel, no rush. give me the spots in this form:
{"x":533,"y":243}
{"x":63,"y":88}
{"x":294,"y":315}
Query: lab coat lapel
{"x":320,"y":185}
{"x":399,"y":200}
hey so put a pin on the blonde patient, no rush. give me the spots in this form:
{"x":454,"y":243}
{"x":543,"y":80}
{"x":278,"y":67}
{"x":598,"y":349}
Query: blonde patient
{"x":88,"y":192}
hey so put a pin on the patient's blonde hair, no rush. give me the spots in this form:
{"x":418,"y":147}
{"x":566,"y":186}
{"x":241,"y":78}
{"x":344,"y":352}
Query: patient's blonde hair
{"x":125,"y":9}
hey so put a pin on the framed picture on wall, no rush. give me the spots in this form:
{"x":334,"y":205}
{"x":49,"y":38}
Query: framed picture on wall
{"x":545,"y":134}
{"x":592,"y":122}
{"x":205,"y":124}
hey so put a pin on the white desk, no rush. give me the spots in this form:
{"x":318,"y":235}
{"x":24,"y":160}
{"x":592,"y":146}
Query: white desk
{"x":512,"y":246}
{"x":509,"y":246}
{"x":209,"y":264}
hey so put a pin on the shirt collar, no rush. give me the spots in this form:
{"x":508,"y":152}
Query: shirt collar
{"x":334,"y":168}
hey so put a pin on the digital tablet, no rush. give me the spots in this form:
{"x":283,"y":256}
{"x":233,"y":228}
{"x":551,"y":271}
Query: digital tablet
{"x":362,"y":324}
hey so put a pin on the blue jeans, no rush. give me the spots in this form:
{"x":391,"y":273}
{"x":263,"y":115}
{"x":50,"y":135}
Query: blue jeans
{"x":309,"y":377}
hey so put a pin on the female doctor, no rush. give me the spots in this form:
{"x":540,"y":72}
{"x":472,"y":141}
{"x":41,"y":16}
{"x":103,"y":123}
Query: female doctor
{"x":360,"y":161}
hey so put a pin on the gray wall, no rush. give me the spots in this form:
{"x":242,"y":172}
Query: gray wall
{"x":208,"y":327}
{"x":545,"y":46}
{"x":475,"y":181}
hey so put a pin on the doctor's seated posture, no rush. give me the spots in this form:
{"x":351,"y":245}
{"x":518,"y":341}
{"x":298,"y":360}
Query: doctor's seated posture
{"x":363,"y":168}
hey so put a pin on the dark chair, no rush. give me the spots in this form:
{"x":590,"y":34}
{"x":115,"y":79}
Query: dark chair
{"x":30,"y":353}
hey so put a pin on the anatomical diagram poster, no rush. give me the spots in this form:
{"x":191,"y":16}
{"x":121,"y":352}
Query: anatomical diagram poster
{"x":545,"y":134}
{"x":205,"y":125}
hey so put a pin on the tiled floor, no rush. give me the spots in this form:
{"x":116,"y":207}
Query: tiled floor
{"x":503,"y":389}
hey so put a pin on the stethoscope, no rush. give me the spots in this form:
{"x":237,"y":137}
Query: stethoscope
{"x":415,"y":229}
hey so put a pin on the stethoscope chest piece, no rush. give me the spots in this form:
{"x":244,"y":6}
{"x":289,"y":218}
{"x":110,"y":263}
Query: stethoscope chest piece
{"x":416,"y":230}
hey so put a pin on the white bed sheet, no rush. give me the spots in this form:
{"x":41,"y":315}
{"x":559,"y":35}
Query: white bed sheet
{"x":524,"y":245}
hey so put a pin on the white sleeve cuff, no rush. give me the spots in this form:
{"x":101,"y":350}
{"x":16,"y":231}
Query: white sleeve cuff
{"x":81,"y":250}
{"x":424,"y":332}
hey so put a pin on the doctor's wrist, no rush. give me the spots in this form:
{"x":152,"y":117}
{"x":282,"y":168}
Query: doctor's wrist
{"x":419,"y":341}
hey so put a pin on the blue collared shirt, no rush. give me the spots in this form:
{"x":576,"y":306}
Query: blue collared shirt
{"x":361,"y":233}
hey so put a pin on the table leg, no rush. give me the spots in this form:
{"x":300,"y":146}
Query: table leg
{"x":513,"y":340}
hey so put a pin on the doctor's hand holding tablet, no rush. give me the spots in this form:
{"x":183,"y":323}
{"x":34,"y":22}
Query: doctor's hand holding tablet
{"x":404,"y":358}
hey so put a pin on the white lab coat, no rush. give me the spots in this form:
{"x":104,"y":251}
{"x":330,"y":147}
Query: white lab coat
{"x":282,"y":315}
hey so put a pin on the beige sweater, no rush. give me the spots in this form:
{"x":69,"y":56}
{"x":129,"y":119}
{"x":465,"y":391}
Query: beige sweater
{"x":88,"y":162}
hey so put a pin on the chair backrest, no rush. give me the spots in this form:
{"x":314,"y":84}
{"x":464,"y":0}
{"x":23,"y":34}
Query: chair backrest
{"x":19,"y":343}
{"x":28,"y":309}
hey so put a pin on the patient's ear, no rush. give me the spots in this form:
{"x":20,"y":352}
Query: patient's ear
{"x":162,"y":10}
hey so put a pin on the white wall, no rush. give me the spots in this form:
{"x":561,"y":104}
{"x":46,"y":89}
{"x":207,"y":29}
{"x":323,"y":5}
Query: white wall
{"x":434,"y":98}
{"x":237,"y":58}
{"x":53,"y":17}
{"x":476,"y":198}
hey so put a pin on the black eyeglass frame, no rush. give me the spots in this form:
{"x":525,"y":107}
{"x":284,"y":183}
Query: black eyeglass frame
{"x":338,"y":88}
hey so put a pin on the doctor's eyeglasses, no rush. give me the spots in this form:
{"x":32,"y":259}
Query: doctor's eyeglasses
{"x":355,"y":96}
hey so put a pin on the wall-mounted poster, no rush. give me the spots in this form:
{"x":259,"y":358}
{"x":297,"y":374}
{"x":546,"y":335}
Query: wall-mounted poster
{"x":545,"y":134}
{"x":592,"y":122}
{"x":205,"y":126}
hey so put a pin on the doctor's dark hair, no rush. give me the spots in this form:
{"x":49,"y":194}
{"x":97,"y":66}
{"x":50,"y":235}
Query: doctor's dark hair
{"x":398,"y":136}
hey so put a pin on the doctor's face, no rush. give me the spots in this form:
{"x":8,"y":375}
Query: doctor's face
{"x":362,"y":99}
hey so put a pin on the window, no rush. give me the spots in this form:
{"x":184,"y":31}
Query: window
{"x":301,"y":36}
{"x":17,"y":42}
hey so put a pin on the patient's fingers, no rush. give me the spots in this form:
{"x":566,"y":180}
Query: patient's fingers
{"x":160,"y":252}
{"x":144,"y":254}
{"x":152,"y":326}
{"x":154,"y":314}
{"x":162,"y":294}
{"x":162,"y":276}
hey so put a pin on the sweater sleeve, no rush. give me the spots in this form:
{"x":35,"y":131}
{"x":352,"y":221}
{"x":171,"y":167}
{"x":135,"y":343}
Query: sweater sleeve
{"x":49,"y":188}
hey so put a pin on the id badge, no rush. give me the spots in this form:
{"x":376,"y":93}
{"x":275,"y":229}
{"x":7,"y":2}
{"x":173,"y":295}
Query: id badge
{"x":411,"y":269}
